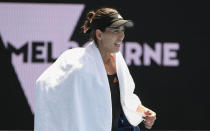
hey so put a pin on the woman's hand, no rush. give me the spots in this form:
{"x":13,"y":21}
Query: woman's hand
{"x":148,"y":115}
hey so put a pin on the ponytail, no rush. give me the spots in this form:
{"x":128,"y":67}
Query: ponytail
{"x":87,"y":24}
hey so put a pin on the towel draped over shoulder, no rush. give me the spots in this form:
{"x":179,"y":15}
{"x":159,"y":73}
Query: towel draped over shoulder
{"x":73,"y":94}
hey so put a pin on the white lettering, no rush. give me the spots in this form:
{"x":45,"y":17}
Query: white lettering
{"x":170,"y":54}
{"x":133,"y":52}
{"x":150,"y":54}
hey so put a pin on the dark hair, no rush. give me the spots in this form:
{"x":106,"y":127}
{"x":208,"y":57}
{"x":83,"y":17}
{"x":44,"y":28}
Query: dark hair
{"x":100,"y":19}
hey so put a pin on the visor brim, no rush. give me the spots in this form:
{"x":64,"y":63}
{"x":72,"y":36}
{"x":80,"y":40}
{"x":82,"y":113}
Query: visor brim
{"x":121,"y":22}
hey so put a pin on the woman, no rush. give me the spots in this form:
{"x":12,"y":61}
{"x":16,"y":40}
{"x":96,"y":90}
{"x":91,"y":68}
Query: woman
{"x":88,"y":89}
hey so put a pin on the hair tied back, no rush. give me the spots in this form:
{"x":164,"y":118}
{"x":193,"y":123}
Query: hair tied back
{"x":88,"y":21}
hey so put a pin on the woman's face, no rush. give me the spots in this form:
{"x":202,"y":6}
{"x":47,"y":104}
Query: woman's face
{"x":111,"y":39}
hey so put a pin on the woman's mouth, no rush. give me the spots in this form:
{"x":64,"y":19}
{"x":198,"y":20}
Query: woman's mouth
{"x":117,"y":44}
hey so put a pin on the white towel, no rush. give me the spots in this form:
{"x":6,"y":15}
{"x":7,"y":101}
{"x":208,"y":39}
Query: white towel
{"x":73,"y":94}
